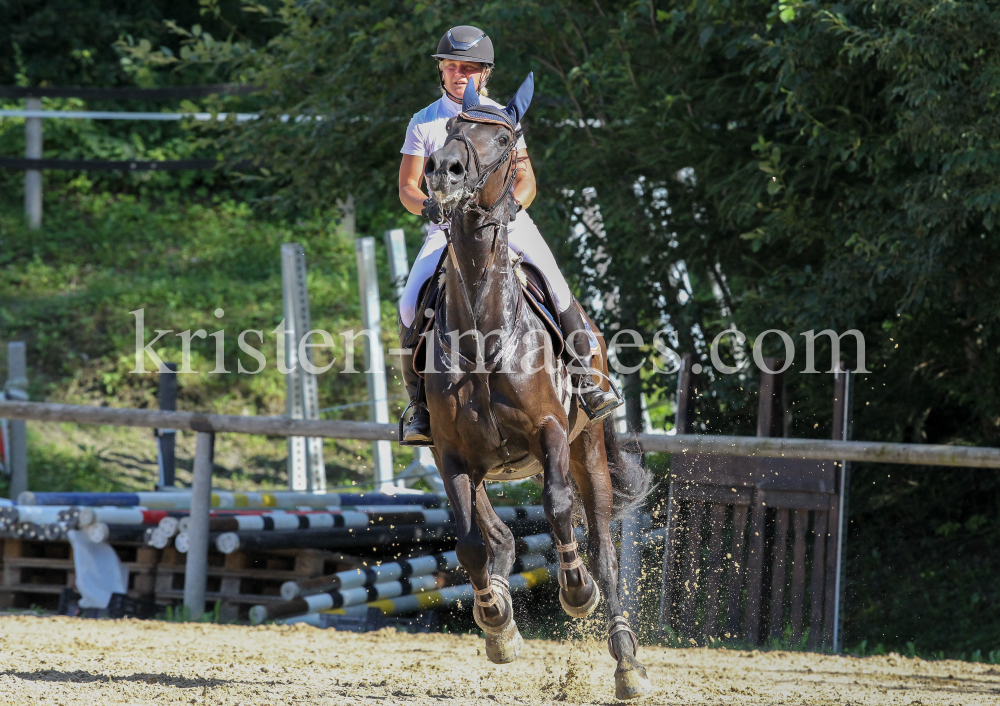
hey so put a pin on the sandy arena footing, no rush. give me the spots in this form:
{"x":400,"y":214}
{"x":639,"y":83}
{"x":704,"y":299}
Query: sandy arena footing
{"x":65,"y":662}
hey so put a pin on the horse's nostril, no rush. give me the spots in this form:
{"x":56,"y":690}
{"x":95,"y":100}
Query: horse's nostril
{"x":457,"y":169}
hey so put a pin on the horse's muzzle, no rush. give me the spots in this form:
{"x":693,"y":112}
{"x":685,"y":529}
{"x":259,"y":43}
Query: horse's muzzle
{"x":445,"y":173}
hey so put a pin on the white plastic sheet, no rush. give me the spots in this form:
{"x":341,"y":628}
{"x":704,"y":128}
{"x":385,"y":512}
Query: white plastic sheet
{"x":98,"y":571}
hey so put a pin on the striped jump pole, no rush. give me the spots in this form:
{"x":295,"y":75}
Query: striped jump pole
{"x":382,"y":590}
{"x":381,"y":535}
{"x":427,"y":600}
{"x":535,"y":544}
{"x":339,"y":599}
{"x":181,"y":500}
{"x":320,"y":520}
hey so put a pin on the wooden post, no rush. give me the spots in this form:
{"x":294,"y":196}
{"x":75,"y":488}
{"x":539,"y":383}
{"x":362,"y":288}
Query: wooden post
{"x":17,"y":388}
{"x":682,"y":425}
{"x":33,"y":177}
{"x":196,"y":568}
{"x":371,"y":320}
{"x":770,"y":407}
{"x":167,"y":438}
{"x":842,"y":420}
{"x":769,"y":424}
{"x":685,"y":395}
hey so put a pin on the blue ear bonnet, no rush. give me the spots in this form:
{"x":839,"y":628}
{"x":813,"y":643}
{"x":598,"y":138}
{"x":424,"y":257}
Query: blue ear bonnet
{"x":509,"y":116}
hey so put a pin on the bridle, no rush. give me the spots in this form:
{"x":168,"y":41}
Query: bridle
{"x":484,"y":366}
{"x":469,"y":202}
{"x":485,"y":115}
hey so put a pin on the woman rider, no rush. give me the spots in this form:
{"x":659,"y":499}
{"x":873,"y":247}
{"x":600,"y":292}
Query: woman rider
{"x":466,"y":54}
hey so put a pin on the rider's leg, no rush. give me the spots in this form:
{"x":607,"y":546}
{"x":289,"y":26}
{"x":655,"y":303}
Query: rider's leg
{"x":417,"y":430}
{"x":598,"y":403}
{"x":422,"y":270}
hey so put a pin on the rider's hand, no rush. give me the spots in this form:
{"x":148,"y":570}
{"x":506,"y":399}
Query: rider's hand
{"x":432,"y":211}
{"x":513,"y":205}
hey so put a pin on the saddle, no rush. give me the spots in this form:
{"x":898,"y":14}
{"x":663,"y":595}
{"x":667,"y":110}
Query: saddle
{"x":537,"y":294}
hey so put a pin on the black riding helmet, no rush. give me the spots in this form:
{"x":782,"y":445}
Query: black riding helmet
{"x":466,"y":43}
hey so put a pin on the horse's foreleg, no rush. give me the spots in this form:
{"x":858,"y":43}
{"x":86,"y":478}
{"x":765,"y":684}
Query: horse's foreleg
{"x":499,"y":538}
{"x":578,"y":592}
{"x":590,"y":471}
{"x":492,"y":608}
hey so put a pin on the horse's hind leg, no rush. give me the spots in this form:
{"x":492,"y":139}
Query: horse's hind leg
{"x":578,"y":592}
{"x":492,"y":608}
{"x":590,"y":471}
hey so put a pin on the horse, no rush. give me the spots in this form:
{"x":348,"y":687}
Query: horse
{"x":501,"y":409}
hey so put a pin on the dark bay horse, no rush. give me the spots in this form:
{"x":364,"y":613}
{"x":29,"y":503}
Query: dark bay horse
{"x":501,"y":408}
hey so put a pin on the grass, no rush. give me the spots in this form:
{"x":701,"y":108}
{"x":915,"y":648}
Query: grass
{"x":67,"y":291}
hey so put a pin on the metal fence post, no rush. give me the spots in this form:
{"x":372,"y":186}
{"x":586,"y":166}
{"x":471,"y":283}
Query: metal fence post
{"x":306,"y":470}
{"x":631,"y":557}
{"x":167,"y":438}
{"x":371,"y":320}
{"x":33,"y":177}
{"x":842,"y":422}
{"x":17,"y":430}
{"x":196,"y":568}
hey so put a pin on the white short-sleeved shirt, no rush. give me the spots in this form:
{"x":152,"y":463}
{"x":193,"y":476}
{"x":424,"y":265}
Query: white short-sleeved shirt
{"x":426,"y":134}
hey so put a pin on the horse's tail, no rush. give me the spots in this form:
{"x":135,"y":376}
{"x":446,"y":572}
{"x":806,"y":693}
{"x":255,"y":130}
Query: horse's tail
{"x":631,"y":481}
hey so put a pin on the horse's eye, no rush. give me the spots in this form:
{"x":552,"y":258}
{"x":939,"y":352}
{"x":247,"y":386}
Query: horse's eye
{"x":503,"y":140}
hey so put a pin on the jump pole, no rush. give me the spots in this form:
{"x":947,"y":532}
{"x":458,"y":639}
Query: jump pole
{"x":446,"y":596}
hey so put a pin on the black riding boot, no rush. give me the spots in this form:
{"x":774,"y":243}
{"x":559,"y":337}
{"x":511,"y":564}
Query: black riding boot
{"x":416,"y":431}
{"x":597,"y":403}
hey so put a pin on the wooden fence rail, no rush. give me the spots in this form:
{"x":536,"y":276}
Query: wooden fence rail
{"x":771,"y":447}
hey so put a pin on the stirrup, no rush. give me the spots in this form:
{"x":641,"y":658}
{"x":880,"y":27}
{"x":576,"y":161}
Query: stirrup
{"x":596,"y":416}
{"x":618,"y":624}
{"x":399,"y":434}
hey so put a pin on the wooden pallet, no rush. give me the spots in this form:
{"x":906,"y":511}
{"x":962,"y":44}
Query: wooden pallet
{"x":244,"y":579}
{"x":35,"y":572}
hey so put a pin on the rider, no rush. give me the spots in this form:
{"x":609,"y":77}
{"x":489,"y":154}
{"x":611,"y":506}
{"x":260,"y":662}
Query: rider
{"x":466,"y":54}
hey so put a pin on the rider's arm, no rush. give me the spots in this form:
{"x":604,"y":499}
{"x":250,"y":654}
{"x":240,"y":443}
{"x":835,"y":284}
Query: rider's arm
{"x":411,"y":176}
{"x":524,"y":184}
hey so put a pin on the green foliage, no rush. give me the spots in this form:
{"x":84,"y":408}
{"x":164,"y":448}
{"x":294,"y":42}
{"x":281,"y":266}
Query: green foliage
{"x":791,"y":165}
{"x":52,"y":467}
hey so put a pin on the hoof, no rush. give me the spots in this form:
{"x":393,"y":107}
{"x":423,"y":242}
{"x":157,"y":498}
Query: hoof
{"x":584,"y":610}
{"x":633,"y":684}
{"x":504,"y":647}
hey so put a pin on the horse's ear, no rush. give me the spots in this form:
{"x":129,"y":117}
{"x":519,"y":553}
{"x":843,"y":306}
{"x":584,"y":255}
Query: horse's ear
{"x":471,"y":97}
{"x":518,"y":105}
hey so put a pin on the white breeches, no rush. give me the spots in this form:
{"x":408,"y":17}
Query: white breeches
{"x":523,"y":238}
